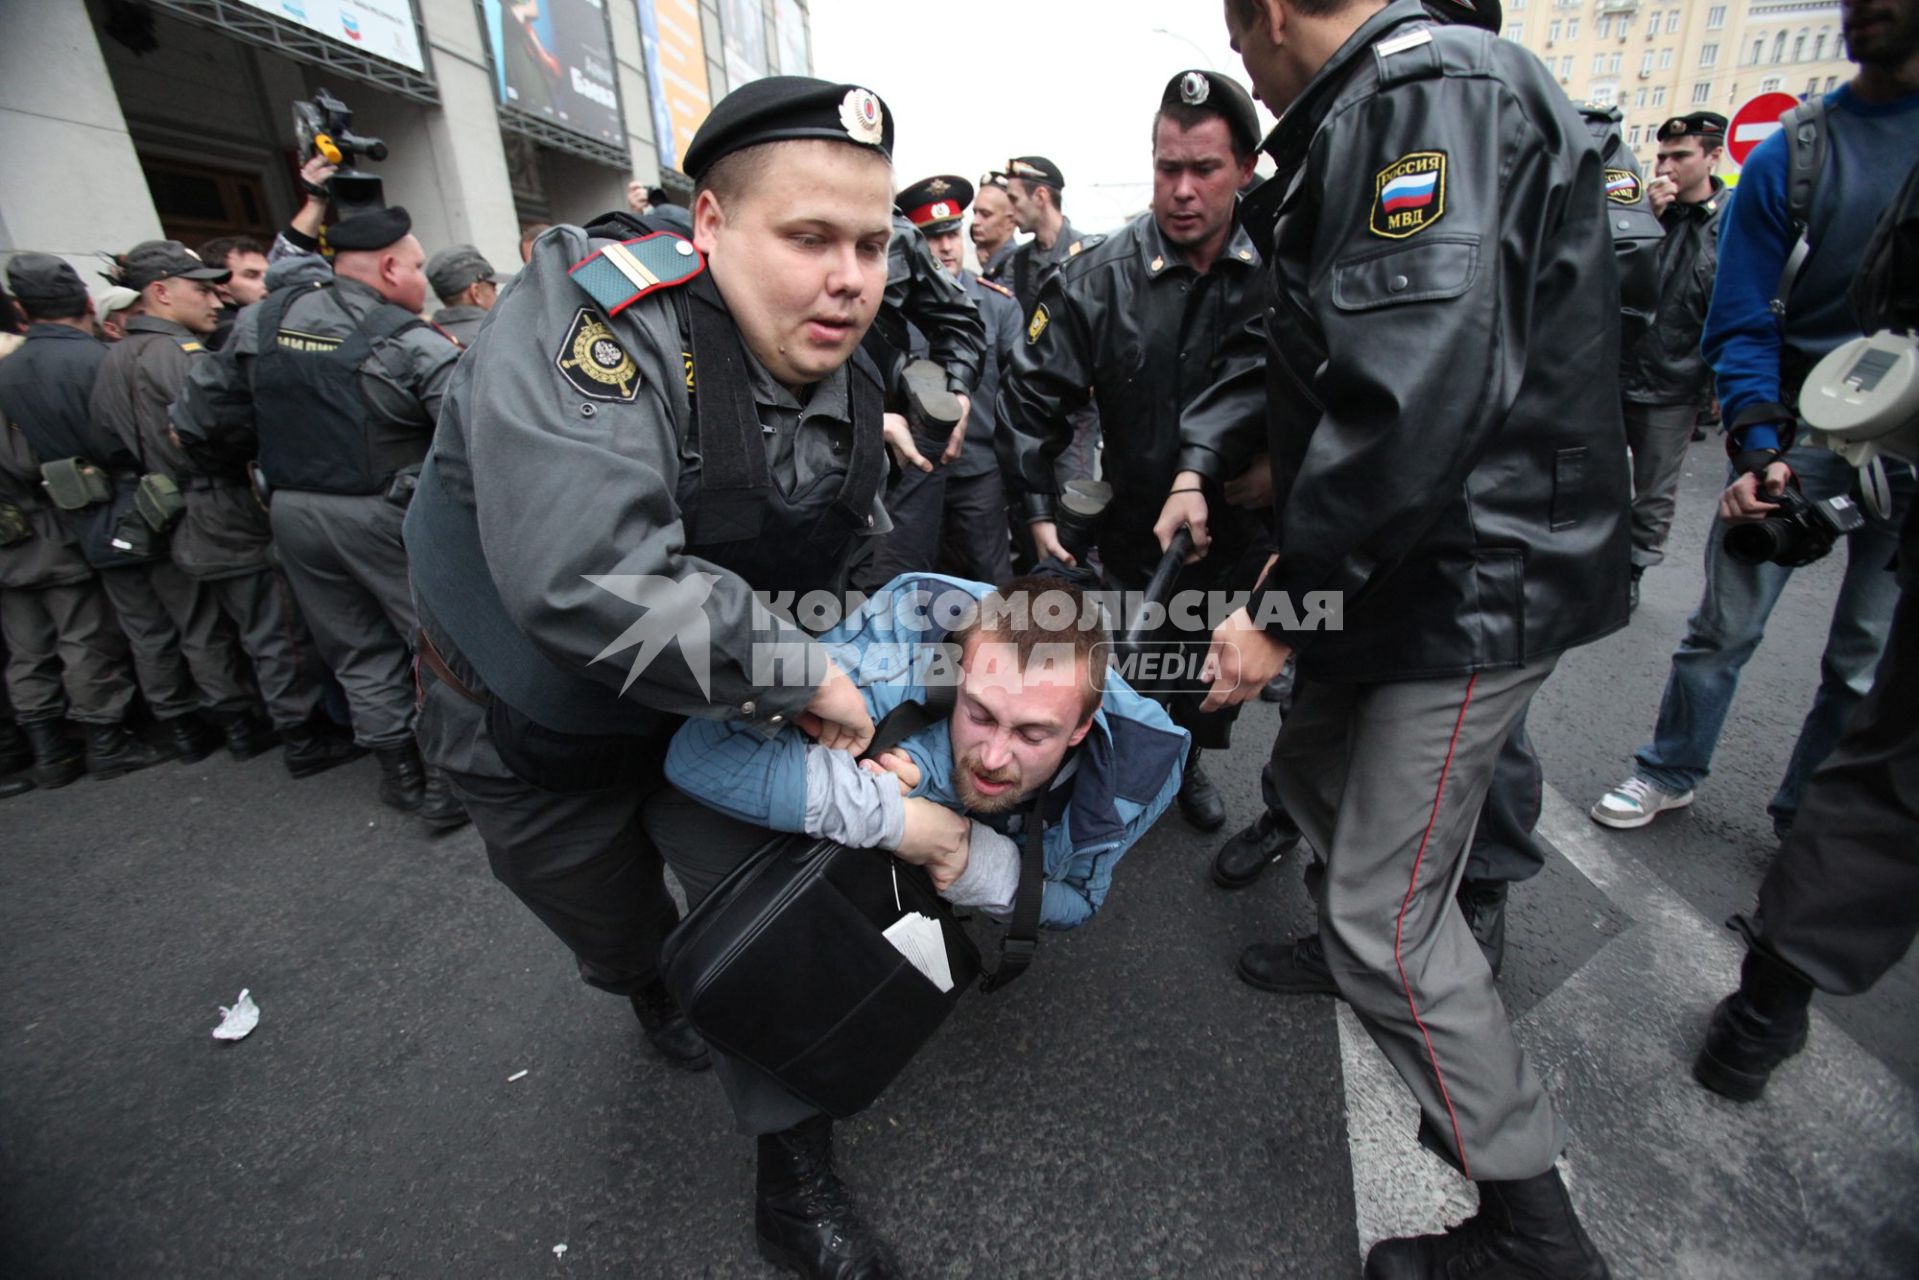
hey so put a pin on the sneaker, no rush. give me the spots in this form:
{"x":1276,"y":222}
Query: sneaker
{"x":1635,"y":802}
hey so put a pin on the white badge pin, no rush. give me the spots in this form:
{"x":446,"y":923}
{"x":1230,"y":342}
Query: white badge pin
{"x":860,"y":112}
{"x":1194,"y":88}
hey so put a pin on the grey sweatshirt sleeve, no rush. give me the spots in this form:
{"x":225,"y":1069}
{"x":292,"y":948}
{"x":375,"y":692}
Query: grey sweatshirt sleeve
{"x":861,"y":810}
{"x":992,"y":873}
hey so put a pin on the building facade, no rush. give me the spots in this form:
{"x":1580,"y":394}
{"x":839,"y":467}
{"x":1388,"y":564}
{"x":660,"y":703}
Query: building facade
{"x":126,"y":120}
{"x":1656,"y":59}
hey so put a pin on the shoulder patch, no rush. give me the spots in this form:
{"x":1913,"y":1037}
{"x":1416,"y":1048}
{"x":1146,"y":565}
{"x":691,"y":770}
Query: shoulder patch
{"x":1409,"y":194}
{"x":619,"y":275}
{"x":593,"y":360}
{"x":1622,"y":186}
{"x":1037,"y":325}
{"x":994,"y":285}
{"x":189,"y":346}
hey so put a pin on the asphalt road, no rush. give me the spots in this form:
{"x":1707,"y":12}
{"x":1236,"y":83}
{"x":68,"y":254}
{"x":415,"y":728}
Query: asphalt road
{"x":1127,"y":1110}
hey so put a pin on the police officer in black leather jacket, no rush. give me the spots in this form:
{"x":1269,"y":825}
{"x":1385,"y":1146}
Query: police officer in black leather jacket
{"x":1134,"y":323}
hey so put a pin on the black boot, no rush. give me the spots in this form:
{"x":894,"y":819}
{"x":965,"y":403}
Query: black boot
{"x":112,"y":751}
{"x":16,"y":753}
{"x":1240,"y":860}
{"x":802,"y":1216}
{"x":56,"y":760}
{"x":1483,"y":902}
{"x":667,"y":1029}
{"x":1524,"y":1230}
{"x":247,"y":735}
{"x":1755,"y":1028}
{"x":440,"y":809}
{"x":1295,"y":968}
{"x":402,"y":776}
{"x":313,"y":748}
{"x":1199,"y":799}
{"x":192,"y":741}
{"x":11,"y":787}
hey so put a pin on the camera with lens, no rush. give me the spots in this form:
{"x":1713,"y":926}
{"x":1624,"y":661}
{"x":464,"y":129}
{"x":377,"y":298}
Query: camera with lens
{"x":1799,"y":532}
{"x":324,"y":127}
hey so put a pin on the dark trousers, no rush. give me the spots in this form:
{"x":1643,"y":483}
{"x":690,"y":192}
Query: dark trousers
{"x":580,"y":861}
{"x":1841,"y":900}
{"x":916,"y":504}
{"x":1659,"y":436}
{"x":65,"y":655}
{"x":973,"y":543}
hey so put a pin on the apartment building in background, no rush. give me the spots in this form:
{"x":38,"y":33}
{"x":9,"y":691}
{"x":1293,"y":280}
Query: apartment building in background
{"x":1656,"y":59}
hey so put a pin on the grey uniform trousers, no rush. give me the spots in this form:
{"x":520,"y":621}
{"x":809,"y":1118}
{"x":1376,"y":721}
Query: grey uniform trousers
{"x":345,"y":561}
{"x":261,"y":608}
{"x":65,"y":654}
{"x":974,"y":544}
{"x":1840,"y":902}
{"x":1387,"y":782}
{"x":184,"y":653}
{"x":1659,"y":436}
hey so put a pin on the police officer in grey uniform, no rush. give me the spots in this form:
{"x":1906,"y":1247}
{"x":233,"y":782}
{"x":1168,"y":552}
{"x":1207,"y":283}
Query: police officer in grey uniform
{"x":993,"y":229}
{"x":65,"y":657}
{"x":645,"y":434}
{"x":467,"y":286}
{"x":338,"y":386}
{"x":1135,"y":324}
{"x":61,"y":632}
{"x":47,"y":388}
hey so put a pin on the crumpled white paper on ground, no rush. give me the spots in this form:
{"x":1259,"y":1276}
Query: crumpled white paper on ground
{"x":236,"y":1022}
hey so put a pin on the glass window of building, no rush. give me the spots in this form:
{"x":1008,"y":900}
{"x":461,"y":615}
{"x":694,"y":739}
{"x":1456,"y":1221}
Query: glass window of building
{"x":1708,"y":55}
{"x":1702,"y":93}
{"x":1716,"y":17}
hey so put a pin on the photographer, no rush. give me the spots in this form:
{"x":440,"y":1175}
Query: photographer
{"x":1871,"y":138}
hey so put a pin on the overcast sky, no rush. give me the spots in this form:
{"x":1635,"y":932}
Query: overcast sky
{"x":974,"y":82}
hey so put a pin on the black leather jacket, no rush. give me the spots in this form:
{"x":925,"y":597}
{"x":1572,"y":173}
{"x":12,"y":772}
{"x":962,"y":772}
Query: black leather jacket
{"x":1442,"y":383}
{"x":1666,"y":366}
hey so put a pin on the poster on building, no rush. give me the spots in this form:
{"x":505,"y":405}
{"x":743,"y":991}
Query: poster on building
{"x":743,"y":30}
{"x":553,"y":59}
{"x":384,"y":28}
{"x":675,"y":55}
{"x":789,"y":21}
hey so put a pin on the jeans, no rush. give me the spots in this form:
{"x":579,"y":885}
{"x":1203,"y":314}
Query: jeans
{"x":1731,"y":621}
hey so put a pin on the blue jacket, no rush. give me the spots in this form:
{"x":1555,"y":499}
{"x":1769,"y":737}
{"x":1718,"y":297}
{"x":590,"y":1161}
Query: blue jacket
{"x":1127,"y":772}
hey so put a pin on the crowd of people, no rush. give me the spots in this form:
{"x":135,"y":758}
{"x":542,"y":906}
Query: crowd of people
{"x":1442,"y":369}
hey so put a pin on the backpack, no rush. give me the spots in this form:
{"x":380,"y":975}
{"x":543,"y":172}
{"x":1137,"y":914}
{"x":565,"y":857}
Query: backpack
{"x":1806,"y":144}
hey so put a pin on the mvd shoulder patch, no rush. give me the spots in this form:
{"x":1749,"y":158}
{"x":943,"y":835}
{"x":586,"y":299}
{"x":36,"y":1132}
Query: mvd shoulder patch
{"x":619,"y":275}
{"x":593,"y":360}
{"x":1409,"y":194}
{"x":1622,"y":186}
{"x":1037,"y":325}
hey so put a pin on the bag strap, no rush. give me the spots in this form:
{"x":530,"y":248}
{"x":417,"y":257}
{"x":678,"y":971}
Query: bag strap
{"x":909,"y":717}
{"x":1805,"y":129}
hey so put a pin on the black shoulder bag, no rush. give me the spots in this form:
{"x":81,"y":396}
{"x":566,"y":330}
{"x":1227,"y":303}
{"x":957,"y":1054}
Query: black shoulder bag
{"x":785,"y":966}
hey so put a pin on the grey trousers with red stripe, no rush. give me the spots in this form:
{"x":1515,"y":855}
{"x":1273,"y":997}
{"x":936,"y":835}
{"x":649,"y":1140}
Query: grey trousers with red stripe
{"x":1387,"y":782}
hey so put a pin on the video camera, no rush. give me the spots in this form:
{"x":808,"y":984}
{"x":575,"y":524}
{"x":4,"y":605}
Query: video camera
{"x":324,"y":127}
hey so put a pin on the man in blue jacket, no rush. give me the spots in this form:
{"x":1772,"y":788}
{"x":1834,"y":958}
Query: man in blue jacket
{"x":1038,"y":727}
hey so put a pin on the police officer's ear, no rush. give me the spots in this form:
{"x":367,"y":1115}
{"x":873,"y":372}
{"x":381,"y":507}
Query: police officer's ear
{"x":708,"y":218}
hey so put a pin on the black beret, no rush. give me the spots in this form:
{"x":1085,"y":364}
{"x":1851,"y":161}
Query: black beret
{"x":786,"y":108}
{"x":44,"y":284}
{"x":1036,"y":169}
{"x":365,"y":232}
{"x":1484,"y":14}
{"x":936,"y":204}
{"x":1222,"y":95}
{"x":1704,"y":124}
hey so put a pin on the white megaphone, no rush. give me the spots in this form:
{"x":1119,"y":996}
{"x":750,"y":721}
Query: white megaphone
{"x":1862,"y":402}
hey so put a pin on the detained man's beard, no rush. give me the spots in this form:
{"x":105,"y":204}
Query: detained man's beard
{"x":999,"y":799}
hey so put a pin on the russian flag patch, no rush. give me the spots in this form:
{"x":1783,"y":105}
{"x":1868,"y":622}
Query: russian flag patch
{"x":1409,"y":194}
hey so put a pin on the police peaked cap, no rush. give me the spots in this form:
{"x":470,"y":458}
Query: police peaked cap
{"x":44,"y":283}
{"x":787,"y":108}
{"x":1709,"y":125}
{"x":1222,"y":95}
{"x":365,"y":232}
{"x":936,"y":204}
